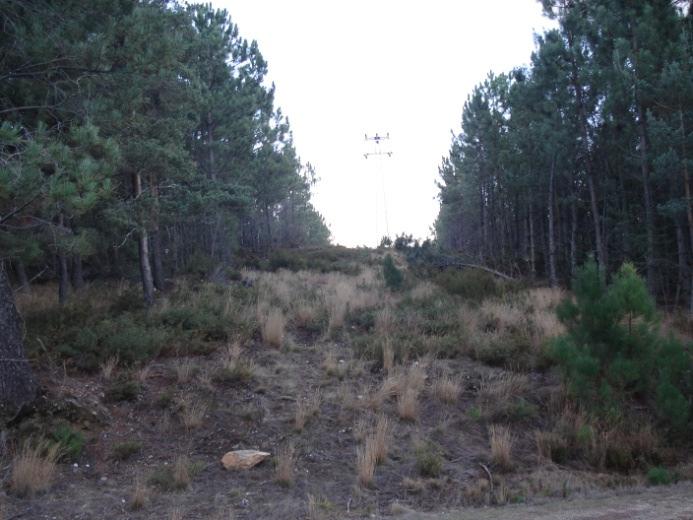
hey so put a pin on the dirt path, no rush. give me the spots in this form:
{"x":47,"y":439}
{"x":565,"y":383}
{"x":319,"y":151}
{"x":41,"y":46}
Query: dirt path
{"x":664,"y":503}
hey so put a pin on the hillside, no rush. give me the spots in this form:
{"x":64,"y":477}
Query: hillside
{"x":370,"y":400}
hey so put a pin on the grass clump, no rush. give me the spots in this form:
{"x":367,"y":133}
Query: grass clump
{"x":659,"y":476}
{"x":124,"y":450}
{"x":175,"y":477}
{"x":501,"y":442}
{"x":273,"y":327}
{"x":284,"y":466}
{"x":34,"y":468}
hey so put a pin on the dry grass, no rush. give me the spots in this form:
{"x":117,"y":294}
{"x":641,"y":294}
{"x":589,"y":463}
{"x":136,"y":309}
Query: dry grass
{"x":143,"y":374}
{"x":447,"y":389}
{"x":184,"y":369}
{"x":385,"y":322}
{"x":177,"y":514}
{"x":388,"y":355}
{"x":109,"y":367}
{"x":366,"y":460}
{"x":361,"y":429}
{"x":273,"y":325}
{"x":329,"y":364}
{"x":34,"y":468}
{"x":382,"y":438}
{"x":498,"y":391}
{"x":284,"y":469}
{"x":192,"y":412}
{"x":305,"y":409}
{"x":181,"y":472}
{"x":408,"y":404}
{"x":139,"y":495}
{"x":305,"y":313}
{"x":422,"y":290}
{"x":501,"y":441}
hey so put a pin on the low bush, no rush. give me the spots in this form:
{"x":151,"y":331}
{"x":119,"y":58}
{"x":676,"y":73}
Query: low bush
{"x":70,"y":442}
{"x":122,"y":390}
{"x":472,"y":284}
{"x":124,"y":450}
{"x":429,"y":462}
{"x":659,"y":476}
{"x":394,"y":279}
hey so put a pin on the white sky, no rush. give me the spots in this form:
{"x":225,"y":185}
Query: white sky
{"x":346,"y":68}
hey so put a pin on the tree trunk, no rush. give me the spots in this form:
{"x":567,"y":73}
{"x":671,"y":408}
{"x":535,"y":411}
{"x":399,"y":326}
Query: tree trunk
{"x":157,"y":263}
{"x":63,"y":279}
{"x":24,"y":284}
{"x":143,"y":246}
{"x":17,"y":384}
{"x":553,"y":279}
{"x":682,"y":264}
{"x":77,"y":273}
{"x":573,"y":237}
{"x":532,"y":253}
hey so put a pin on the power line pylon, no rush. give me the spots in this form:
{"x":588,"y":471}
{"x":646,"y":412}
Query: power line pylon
{"x":378,"y":152}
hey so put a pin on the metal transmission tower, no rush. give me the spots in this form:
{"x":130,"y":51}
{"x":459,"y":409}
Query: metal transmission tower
{"x":379,"y":154}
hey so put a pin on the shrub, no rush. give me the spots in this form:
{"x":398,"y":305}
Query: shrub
{"x":122,"y":390}
{"x":613,"y":351}
{"x":659,"y":476}
{"x":125,"y":450}
{"x":393,"y":276}
{"x":429,"y":462}
{"x":71,"y":442}
{"x":472,"y":284}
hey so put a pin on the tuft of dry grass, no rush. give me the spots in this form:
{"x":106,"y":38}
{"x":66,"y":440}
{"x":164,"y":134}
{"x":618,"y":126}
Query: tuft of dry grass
{"x":284,"y":469}
{"x":382,"y":438}
{"x":366,"y":460}
{"x":329,"y":364}
{"x":33,"y":468}
{"x":143,"y":374}
{"x":184,"y":370}
{"x":192,"y":412}
{"x":177,"y":514}
{"x":422,"y":290}
{"x":305,"y":313}
{"x":385,"y":322}
{"x":181,"y":472}
{"x":305,"y":409}
{"x":273,"y":327}
{"x":388,"y":355}
{"x":495,"y":393}
{"x":501,"y":441}
{"x":139,"y":495}
{"x":447,"y":389}
{"x":408,"y":404}
{"x":550,"y":445}
{"x":109,"y":367}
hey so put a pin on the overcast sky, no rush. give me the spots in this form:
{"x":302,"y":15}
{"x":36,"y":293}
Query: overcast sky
{"x":346,"y":68}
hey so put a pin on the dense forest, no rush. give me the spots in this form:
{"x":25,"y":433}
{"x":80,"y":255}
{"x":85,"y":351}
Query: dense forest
{"x":585,"y":152}
{"x":140,"y":134}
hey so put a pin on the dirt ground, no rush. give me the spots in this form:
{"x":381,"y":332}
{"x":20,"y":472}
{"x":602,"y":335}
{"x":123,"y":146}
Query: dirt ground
{"x":668,"y":503}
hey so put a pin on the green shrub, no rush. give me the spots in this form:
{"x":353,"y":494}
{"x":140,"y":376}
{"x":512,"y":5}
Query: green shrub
{"x":659,"y":476}
{"x":71,"y":442}
{"x":122,"y":390}
{"x":429,"y":462}
{"x":125,"y":450}
{"x":393,"y":276}
{"x":613,"y":351}
{"x":472,"y":284}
